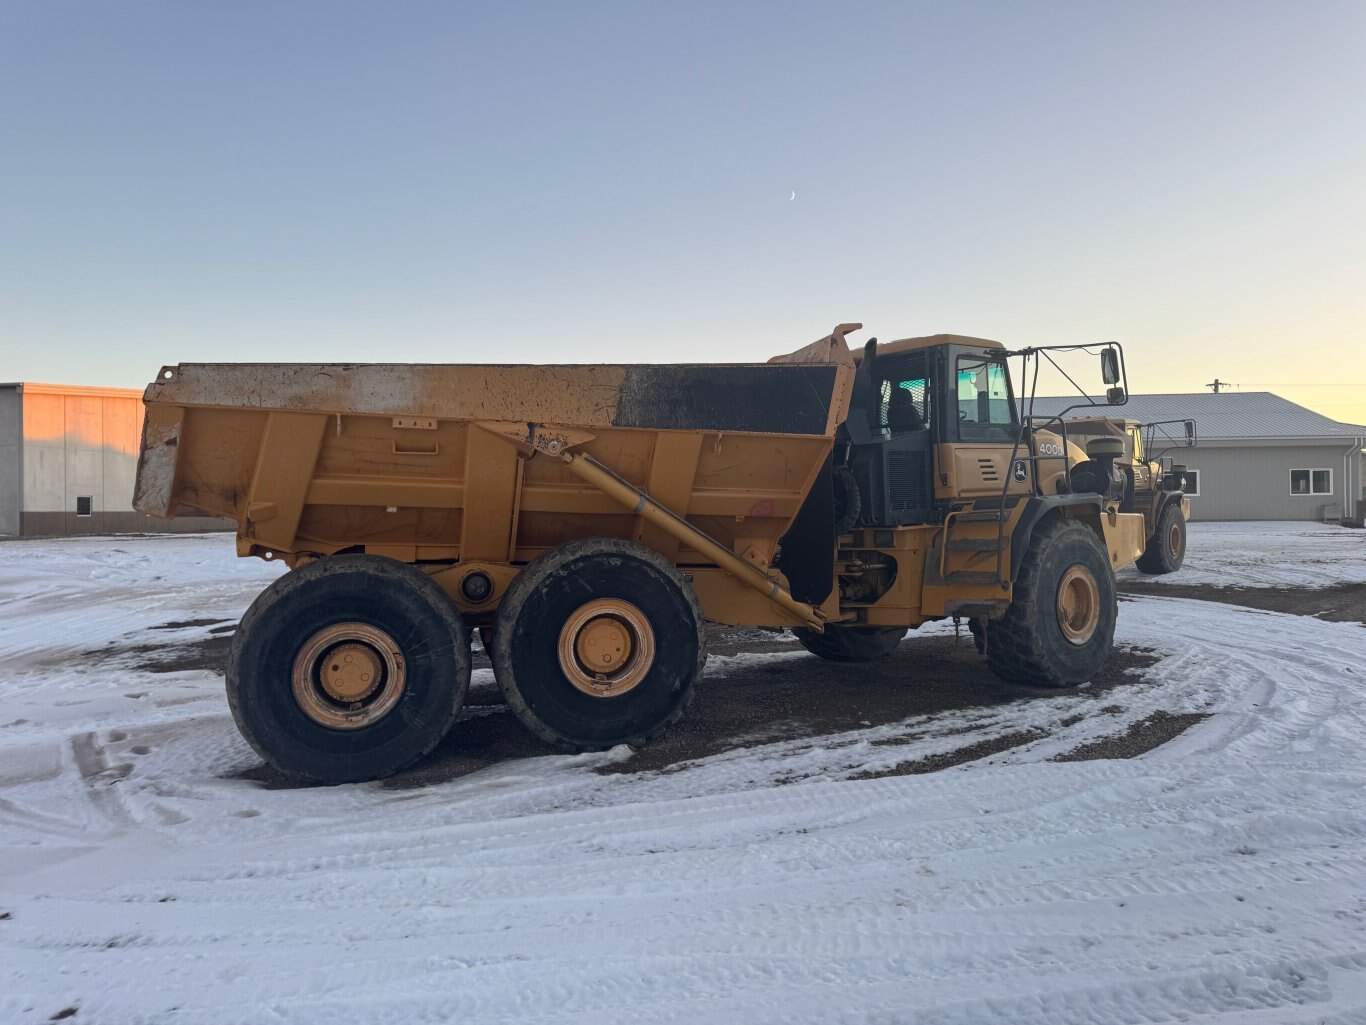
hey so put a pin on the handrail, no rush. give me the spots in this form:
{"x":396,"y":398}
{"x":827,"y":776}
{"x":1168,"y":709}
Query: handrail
{"x":1028,"y":428}
{"x":1029,"y":424}
{"x":944,"y":549}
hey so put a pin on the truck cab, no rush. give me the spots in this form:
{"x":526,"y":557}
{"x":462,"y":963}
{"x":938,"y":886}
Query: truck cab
{"x":934,"y":421}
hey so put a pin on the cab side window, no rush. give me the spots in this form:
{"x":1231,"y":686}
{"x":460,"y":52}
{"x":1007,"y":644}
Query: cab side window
{"x":905,"y":394}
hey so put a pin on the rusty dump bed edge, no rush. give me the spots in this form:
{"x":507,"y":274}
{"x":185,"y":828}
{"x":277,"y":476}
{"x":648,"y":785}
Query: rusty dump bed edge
{"x":792,"y":398}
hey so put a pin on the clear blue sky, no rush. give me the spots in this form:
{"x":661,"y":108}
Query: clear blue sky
{"x":594,"y":182}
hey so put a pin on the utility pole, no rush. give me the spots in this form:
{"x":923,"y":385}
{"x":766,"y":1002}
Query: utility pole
{"x":1216,"y":384}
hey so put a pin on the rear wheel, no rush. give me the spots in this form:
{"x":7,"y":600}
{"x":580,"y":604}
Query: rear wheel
{"x":1166,"y":549}
{"x":1060,"y":625}
{"x":850,"y":643}
{"x":486,"y":639}
{"x":348,"y":669}
{"x":599,"y":642}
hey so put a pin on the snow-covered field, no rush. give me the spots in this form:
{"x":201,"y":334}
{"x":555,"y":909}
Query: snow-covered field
{"x":1268,"y":554}
{"x":1219,"y":878}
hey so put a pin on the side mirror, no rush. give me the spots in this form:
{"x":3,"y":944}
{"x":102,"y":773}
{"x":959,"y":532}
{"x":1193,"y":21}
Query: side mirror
{"x":1109,"y":366}
{"x":1115,"y":396}
{"x":1190,"y":433}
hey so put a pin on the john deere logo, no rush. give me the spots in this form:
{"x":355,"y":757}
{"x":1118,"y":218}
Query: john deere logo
{"x":1021,"y":471}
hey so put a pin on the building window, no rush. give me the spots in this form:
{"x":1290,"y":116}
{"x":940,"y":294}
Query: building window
{"x":1311,"y":482}
{"x":1192,"y":483}
{"x":83,"y":505}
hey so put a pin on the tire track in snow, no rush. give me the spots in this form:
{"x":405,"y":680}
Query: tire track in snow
{"x":542,"y":892}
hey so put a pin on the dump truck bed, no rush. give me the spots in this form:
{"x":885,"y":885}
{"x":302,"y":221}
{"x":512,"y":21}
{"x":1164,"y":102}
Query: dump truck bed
{"x":433,"y":462}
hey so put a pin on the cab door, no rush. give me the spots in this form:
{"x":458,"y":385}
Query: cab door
{"x":896,"y":475}
{"x":975,"y":460}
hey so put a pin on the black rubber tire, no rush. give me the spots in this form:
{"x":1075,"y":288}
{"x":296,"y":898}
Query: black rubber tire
{"x":486,"y":639}
{"x":978,"y":629}
{"x":851,"y":643}
{"x":1166,"y":549}
{"x":848,"y":500}
{"x":1027,"y":645}
{"x":393,"y":596}
{"x":526,"y":638}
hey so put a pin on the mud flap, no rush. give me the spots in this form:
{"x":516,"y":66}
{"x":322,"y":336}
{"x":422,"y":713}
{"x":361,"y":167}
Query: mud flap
{"x":808,"y":547}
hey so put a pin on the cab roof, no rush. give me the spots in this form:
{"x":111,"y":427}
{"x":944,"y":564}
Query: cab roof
{"x":927,"y":342}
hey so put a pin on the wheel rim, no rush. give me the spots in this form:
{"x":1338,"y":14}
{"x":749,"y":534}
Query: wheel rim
{"x":1078,"y":605}
{"x":606,"y":647}
{"x":1174,"y":539}
{"x":348,"y":676}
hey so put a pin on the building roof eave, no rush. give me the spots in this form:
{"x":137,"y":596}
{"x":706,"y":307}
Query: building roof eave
{"x":88,"y":391}
{"x":1309,"y":439}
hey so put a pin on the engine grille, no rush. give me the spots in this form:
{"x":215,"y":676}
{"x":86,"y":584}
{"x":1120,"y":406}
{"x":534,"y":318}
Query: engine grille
{"x":908,"y":478}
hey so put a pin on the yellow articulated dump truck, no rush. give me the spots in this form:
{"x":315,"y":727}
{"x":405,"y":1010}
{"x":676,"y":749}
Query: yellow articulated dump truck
{"x":1146,"y":480}
{"x":587,"y":521}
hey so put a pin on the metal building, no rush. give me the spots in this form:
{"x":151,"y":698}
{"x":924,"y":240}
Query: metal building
{"x":1259,"y":457}
{"x":68,"y":455}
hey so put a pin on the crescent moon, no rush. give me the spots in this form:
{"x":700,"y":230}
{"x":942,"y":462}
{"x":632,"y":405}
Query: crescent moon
{"x":793,"y":196}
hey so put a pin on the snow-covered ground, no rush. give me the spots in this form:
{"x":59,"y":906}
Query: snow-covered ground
{"x":1268,"y":554}
{"x":1219,"y":878}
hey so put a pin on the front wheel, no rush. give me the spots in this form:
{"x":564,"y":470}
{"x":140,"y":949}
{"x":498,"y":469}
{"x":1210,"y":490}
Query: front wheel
{"x":850,"y":643}
{"x":1060,"y":625}
{"x":1166,"y":549}
{"x":848,"y":500}
{"x":348,"y":669}
{"x":598,"y":643}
